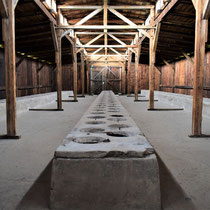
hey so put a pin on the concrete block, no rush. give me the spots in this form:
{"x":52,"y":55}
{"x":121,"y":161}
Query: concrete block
{"x":25,"y":103}
{"x":105,"y":162}
{"x":180,"y":101}
{"x":105,"y":184}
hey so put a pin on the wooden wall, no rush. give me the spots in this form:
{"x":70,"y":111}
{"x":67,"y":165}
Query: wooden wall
{"x":27,"y":77}
{"x":184,"y":76}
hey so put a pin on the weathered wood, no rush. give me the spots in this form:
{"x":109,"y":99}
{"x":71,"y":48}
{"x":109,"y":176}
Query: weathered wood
{"x":206,"y":9}
{"x":198,"y":70}
{"x":59,"y":64}
{"x":129,"y":73}
{"x":83,"y":74}
{"x":151,"y":63}
{"x":102,"y":27}
{"x":172,"y":67}
{"x":75,"y":70}
{"x":3,"y":9}
{"x":54,"y":36}
{"x":10,"y":66}
{"x":45,"y":10}
{"x":137,"y":55}
{"x":92,"y":14}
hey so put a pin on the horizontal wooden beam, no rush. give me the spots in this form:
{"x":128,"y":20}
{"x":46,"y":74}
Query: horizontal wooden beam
{"x":102,"y":27}
{"x":133,"y":7}
{"x":91,"y":7}
{"x":115,"y":33}
{"x":110,"y":55}
{"x":79,"y":7}
{"x":103,"y":46}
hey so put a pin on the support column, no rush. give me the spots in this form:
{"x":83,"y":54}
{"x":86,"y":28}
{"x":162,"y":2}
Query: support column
{"x":83,"y":74}
{"x":199,"y":60}
{"x":151,"y":63}
{"x":58,"y":59}
{"x":75,"y":70}
{"x":129,"y":73}
{"x":137,"y":54}
{"x":88,"y":77}
{"x":8,"y":26}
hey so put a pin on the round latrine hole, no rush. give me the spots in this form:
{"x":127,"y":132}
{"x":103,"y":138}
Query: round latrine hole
{"x":92,"y":130}
{"x":117,"y":134}
{"x":117,"y":115}
{"x":117,"y":119}
{"x":90,"y":140}
{"x":96,"y":117}
{"x":113,"y":111}
{"x":97,"y":112}
{"x":95,"y":122}
{"x":118,"y":126}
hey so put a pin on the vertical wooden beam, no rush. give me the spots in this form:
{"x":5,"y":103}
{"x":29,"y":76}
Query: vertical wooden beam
{"x":151,"y":62}
{"x":88,"y":77}
{"x":10,"y":66}
{"x":105,"y":24}
{"x":137,"y":55}
{"x":75,"y":69}
{"x":58,"y":58}
{"x":199,"y":61}
{"x":129,"y":73}
{"x":83,"y":74}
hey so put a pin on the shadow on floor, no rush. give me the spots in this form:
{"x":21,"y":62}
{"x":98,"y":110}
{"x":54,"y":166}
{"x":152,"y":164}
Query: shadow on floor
{"x":37,"y":198}
{"x":172,"y":195}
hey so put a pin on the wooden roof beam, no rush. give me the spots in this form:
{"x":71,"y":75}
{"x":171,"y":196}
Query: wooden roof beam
{"x":3,"y":9}
{"x":206,"y":9}
{"x":102,"y":27}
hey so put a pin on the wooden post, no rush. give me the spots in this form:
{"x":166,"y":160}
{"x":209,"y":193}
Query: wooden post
{"x":88,"y":77}
{"x":10,"y":66}
{"x":129,"y":73}
{"x":136,"y":75}
{"x":199,"y":60}
{"x":83,"y":74}
{"x":151,"y":63}
{"x":75,"y":70}
{"x":58,"y":59}
{"x":137,"y":55}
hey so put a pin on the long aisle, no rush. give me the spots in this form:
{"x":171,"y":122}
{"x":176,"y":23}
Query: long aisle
{"x":186,"y":158}
{"x":24,"y":175}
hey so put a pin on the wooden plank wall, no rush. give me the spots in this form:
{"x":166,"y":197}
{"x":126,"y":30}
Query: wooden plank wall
{"x":67,"y":77}
{"x":27,"y":77}
{"x":143,"y":77}
{"x":184,"y":76}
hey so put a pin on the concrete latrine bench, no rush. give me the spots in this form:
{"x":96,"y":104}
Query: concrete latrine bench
{"x":105,"y":163}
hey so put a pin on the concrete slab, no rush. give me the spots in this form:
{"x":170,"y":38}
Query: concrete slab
{"x":180,"y":101}
{"x":25,"y":103}
{"x":100,"y":159}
